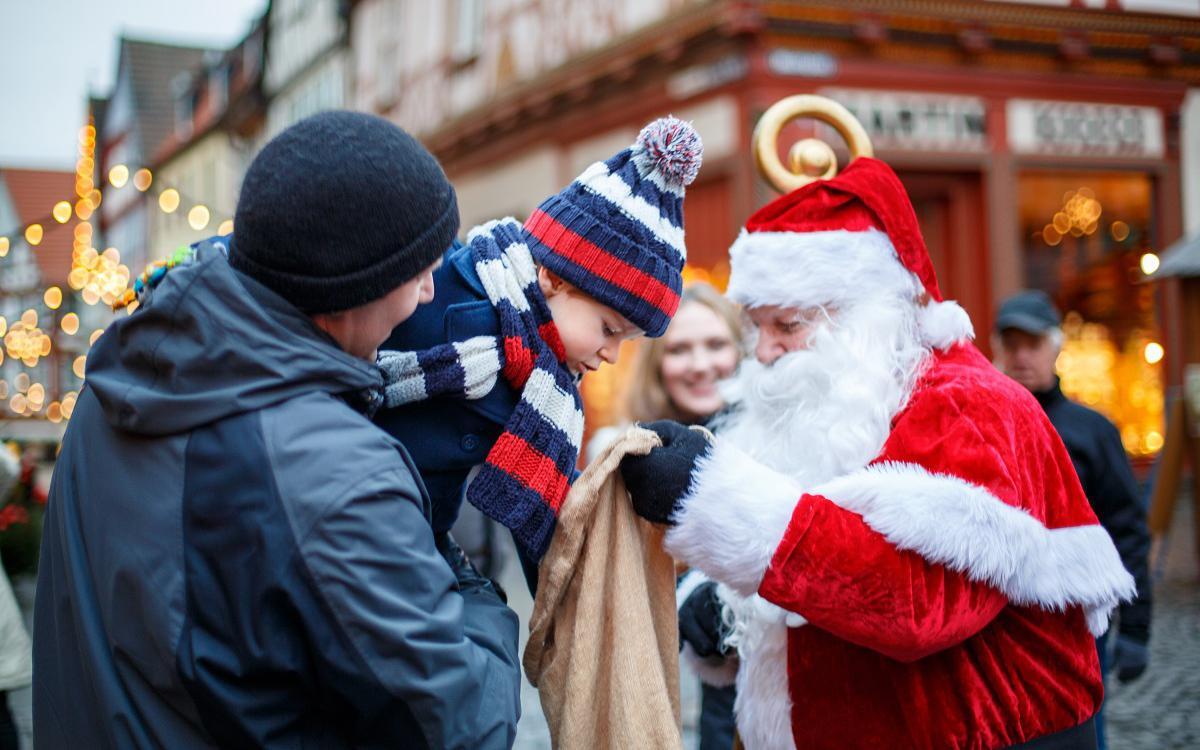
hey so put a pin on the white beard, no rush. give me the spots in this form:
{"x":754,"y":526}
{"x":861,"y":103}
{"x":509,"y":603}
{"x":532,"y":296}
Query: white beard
{"x":827,"y":410}
{"x":814,"y":415}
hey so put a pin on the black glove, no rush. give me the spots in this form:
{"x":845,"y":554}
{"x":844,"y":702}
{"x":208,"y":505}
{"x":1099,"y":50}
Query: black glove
{"x":659,"y":480}
{"x":468,"y":578}
{"x":1130,"y":658}
{"x":700,"y":624}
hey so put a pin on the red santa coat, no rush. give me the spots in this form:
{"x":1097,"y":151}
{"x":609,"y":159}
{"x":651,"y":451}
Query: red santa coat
{"x":951,"y":587}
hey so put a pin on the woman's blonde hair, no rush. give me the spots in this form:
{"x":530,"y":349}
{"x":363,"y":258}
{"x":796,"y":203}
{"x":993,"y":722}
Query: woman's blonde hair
{"x":646,"y":397}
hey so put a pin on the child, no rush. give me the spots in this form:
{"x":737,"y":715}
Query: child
{"x":483,"y":386}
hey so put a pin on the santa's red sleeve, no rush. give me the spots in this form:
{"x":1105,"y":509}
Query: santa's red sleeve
{"x":967,"y":509}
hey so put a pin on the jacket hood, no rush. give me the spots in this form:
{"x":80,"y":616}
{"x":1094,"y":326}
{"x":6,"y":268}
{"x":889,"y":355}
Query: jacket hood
{"x":208,"y":343}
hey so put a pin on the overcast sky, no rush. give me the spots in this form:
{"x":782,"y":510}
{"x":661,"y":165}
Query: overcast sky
{"x":54,"y":52}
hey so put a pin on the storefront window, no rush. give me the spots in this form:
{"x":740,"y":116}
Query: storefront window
{"x":1090,"y":244}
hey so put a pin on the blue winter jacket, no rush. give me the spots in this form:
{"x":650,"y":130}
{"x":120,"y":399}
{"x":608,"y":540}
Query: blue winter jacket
{"x":234,"y":556}
{"x":449,"y":436}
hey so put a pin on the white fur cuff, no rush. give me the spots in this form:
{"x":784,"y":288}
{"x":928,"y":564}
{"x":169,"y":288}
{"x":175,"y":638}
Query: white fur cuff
{"x":958,"y":524}
{"x":733,"y":517}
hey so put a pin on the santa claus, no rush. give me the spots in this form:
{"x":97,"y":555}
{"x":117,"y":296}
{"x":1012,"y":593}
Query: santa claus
{"x":905,"y":555}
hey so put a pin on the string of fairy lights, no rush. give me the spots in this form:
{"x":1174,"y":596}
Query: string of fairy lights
{"x":96,"y":276}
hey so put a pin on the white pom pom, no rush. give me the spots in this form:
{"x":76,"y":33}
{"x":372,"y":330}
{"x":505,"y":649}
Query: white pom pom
{"x":670,"y":147}
{"x":944,"y":324}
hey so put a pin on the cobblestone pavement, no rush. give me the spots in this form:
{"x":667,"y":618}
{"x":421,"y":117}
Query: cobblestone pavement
{"x":1161,"y":709}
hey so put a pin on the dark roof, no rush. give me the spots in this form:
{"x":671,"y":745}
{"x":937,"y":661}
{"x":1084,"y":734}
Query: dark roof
{"x":153,"y":67}
{"x":33,"y":193}
{"x":98,"y":108}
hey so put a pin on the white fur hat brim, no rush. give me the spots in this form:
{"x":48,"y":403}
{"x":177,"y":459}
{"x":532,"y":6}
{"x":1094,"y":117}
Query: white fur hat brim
{"x":833,"y":268}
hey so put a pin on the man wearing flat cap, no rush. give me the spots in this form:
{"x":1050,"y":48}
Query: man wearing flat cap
{"x":1028,"y":339}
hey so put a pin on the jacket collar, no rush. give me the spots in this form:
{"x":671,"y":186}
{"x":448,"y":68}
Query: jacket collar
{"x":1050,"y":396}
{"x":463,"y":262}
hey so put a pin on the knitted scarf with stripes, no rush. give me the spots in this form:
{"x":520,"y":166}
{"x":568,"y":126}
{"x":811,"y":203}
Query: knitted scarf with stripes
{"x":527,"y":474}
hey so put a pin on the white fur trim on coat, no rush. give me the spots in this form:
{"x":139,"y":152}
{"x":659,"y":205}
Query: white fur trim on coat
{"x":764,"y":704}
{"x":733,"y":517}
{"x":794,"y":269}
{"x":953,"y":522}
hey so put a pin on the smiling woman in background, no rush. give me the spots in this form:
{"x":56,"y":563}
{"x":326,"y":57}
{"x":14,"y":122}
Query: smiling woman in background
{"x":675,"y":377}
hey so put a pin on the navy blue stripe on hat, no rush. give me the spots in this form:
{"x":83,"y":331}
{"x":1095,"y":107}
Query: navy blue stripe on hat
{"x":637,"y":310}
{"x":623,"y":165}
{"x":620,"y":224}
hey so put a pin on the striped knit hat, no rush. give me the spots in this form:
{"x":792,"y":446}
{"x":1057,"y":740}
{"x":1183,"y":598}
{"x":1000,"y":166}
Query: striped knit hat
{"x":616,"y":232}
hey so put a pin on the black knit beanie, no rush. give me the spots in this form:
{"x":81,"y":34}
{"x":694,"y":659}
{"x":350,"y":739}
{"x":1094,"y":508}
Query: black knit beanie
{"x":340,"y":209}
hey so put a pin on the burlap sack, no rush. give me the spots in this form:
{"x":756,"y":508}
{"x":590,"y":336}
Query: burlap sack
{"x":603,"y":648}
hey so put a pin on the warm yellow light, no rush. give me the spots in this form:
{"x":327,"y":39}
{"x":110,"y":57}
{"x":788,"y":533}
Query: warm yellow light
{"x":33,"y":234}
{"x":37,"y":393}
{"x":3,"y":246}
{"x":95,"y":335}
{"x":118,"y":175}
{"x":1119,"y":230}
{"x":17,"y":403}
{"x":226,"y":227}
{"x":1153,"y":352}
{"x":198,"y":217}
{"x":83,"y":209}
{"x":1149,"y":263}
{"x":77,"y":278}
{"x":70,"y":324}
{"x":1154,"y":441}
{"x":79,"y":366}
{"x":93,"y":198}
{"x":1051,"y":235}
{"x":62,"y":212}
{"x":142,"y":179}
{"x":3,"y":325}
{"x":168,"y":200}
{"x":53,"y":298}
{"x":29,"y":318}
{"x":90,"y":295}
{"x":54,"y":412}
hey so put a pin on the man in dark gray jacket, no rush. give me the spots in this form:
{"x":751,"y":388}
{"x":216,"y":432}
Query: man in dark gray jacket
{"x":234,"y":555}
{"x":1028,"y":340}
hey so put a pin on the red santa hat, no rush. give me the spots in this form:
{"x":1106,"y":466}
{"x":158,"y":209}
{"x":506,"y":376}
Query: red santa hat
{"x":827,"y":242}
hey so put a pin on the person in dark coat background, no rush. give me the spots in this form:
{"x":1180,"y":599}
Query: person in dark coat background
{"x":1029,"y":338}
{"x":234,"y":556}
